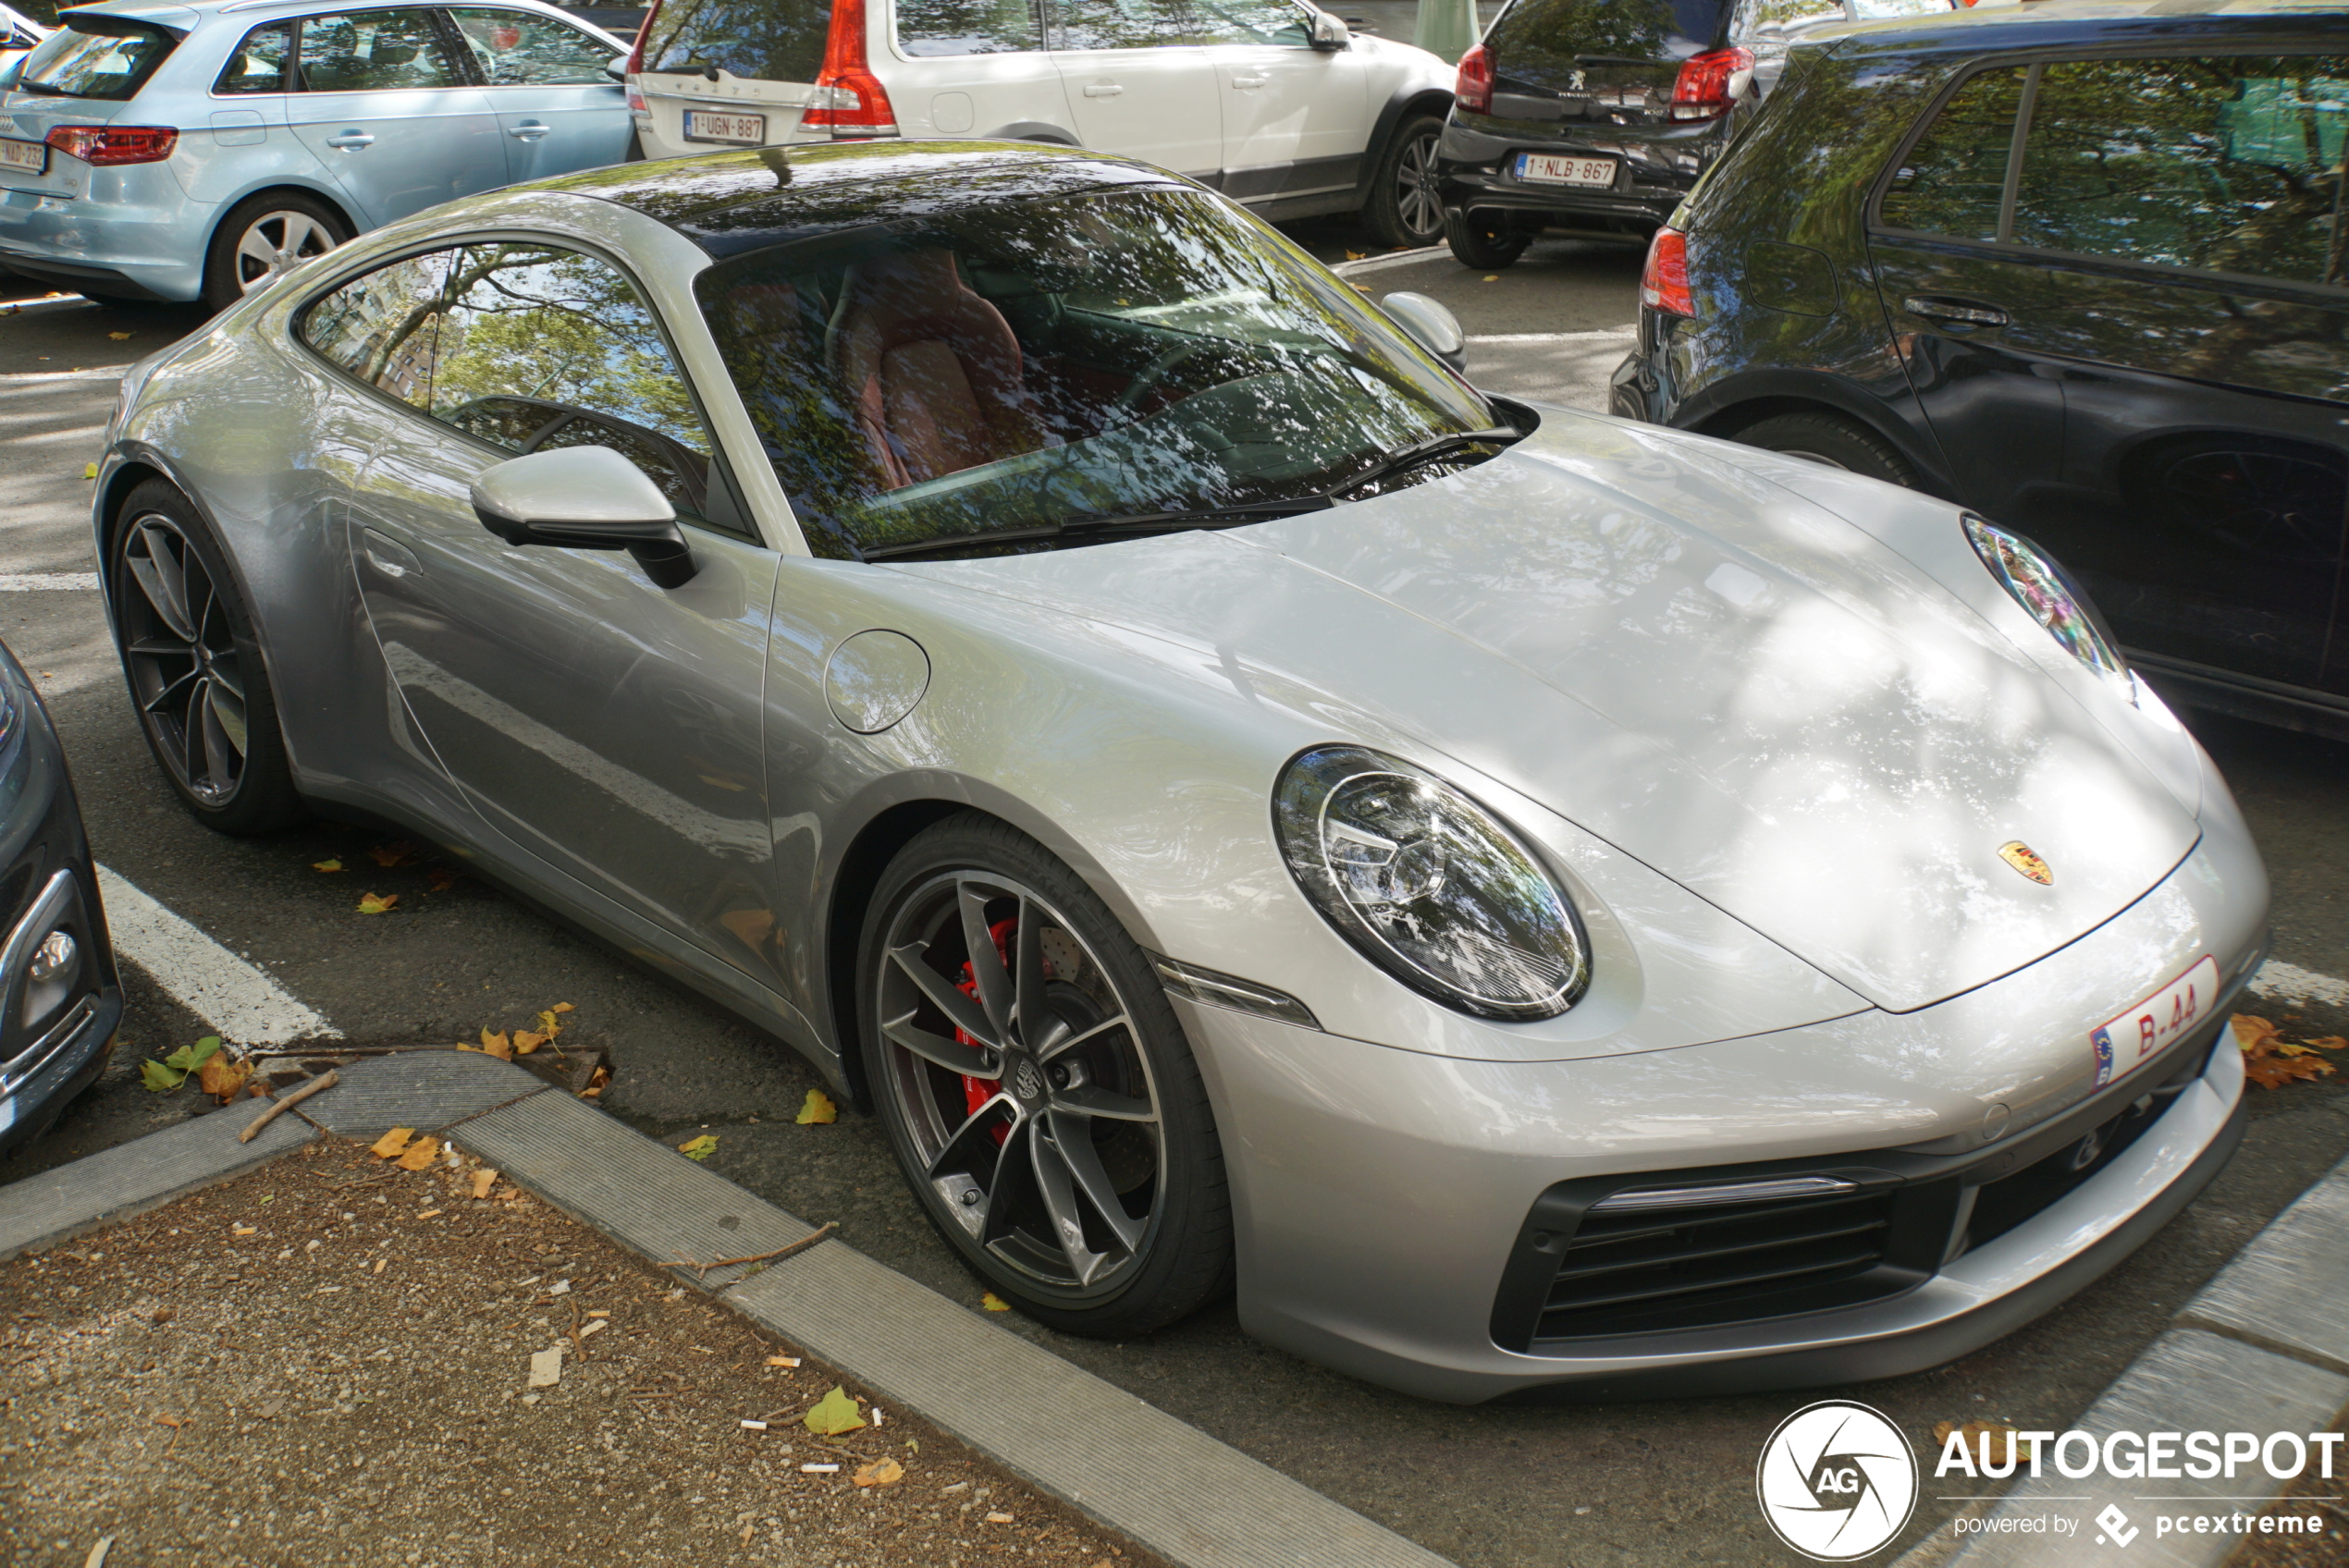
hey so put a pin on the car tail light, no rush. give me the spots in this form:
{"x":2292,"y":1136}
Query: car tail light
{"x":1473,"y":89}
{"x":1706,"y":88}
{"x":1664,"y":285}
{"x":105,"y":144}
{"x":848,"y":100}
{"x":635,"y":61}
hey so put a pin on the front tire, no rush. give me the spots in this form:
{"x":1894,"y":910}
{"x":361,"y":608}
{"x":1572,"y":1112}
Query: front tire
{"x":1482,"y":243}
{"x":194,"y":667}
{"x":1036,"y":1087}
{"x":1831,"y":441}
{"x":1405,"y":205}
{"x":262,"y":238}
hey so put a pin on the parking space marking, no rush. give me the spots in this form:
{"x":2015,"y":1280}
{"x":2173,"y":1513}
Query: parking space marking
{"x":48,"y":582}
{"x":2290,"y":982}
{"x":228,"y":993}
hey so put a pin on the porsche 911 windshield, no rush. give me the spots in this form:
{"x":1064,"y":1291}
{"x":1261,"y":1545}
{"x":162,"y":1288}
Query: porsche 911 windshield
{"x":1072,"y":368}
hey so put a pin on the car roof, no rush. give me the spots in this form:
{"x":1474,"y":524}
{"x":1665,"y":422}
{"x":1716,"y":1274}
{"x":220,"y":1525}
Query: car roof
{"x":2022,"y":24}
{"x":730,"y":203}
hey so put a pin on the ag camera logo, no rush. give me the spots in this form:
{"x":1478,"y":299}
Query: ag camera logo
{"x":1837,"y":1481}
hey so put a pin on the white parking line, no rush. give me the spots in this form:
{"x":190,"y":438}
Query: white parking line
{"x":48,"y":582}
{"x":2290,"y":982}
{"x":236,"y":999}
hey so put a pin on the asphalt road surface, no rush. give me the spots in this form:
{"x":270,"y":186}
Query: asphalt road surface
{"x":1660,"y":1483}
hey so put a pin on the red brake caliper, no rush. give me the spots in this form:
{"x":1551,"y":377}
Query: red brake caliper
{"x":976,"y":1092}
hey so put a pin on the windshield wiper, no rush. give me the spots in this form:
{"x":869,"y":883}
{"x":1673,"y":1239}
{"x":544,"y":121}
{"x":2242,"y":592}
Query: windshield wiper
{"x":1099,"y":525}
{"x":1420,"y":451}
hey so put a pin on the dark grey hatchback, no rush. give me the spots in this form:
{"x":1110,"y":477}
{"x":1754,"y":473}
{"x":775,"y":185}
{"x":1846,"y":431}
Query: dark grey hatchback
{"x":2082,"y":267}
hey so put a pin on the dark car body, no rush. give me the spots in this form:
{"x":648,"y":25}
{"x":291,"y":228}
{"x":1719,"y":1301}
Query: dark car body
{"x":2133,"y":344}
{"x":59,"y":1002}
{"x":1619,"y":82}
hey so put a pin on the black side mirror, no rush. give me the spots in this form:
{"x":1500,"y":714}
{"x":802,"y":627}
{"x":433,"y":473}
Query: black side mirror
{"x":584,"y":498}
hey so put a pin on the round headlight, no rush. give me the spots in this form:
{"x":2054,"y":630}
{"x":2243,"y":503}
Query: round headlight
{"x":1428,"y":885}
{"x":2041,"y":587}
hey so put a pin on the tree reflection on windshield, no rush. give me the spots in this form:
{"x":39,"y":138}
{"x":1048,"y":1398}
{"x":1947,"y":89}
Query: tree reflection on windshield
{"x":1060,"y":358}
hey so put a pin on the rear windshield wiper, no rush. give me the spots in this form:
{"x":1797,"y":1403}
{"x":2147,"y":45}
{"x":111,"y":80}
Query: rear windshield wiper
{"x":1096,"y":525}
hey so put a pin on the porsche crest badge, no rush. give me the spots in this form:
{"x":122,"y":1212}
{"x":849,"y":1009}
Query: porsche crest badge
{"x":2025,"y":858}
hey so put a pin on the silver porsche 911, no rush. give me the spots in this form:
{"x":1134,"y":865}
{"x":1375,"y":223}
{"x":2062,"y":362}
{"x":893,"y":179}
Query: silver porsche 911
{"x":1524,"y":898}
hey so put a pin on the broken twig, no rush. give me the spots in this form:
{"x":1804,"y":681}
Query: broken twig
{"x":326,"y":1080}
{"x":701,"y":1270}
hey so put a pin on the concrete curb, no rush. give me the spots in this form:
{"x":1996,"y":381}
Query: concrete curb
{"x":1128,"y":1466}
{"x":2263,"y":1347}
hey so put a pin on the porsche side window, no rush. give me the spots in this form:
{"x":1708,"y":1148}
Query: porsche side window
{"x":928,"y":27}
{"x":541,"y":347}
{"x":1953,"y":179}
{"x":2225,"y":165}
{"x":384,"y":327}
{"x":515,"y":48}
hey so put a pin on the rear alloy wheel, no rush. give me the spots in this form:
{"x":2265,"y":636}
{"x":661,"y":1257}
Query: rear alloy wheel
{"x":262,"y":240}
{"x":1482,"y":242}
{"x":1407,"y":205}
{"x":1831,"y":441}
{"x":1036,"y":1087}
{"x":194,"y":669}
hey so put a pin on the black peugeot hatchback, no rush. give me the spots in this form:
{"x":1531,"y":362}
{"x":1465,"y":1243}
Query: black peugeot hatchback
{"x":2081,"y":266}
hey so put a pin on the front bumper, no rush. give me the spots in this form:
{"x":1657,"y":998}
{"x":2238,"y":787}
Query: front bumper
{"x":1383,"y":1196}
{"x":54,"y":1039}
{"x":130,"y":231}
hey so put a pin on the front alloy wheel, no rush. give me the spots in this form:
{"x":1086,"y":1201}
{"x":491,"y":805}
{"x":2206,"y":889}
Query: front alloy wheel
{"x":1036,"y":1088}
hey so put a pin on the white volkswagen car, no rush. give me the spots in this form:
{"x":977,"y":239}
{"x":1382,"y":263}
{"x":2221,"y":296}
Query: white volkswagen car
{"x":1522,"y":896}
{"x":1274,"y":103}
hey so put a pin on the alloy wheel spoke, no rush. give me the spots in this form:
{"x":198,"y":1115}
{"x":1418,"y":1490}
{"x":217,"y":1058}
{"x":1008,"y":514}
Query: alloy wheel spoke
{"x":962,"y":1148}
{"x":1061,"y":1039}
{"x":951,"y":1055}
{"x":987,"y":964}
{"x":1071,"y":1139}
{"x":965,"y":1013}
{"x":1056,"y":1184}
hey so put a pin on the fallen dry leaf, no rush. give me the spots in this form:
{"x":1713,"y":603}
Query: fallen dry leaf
{"x":325,"y":866}
{"x":391,"y":1142}
{"x":496,"y":1044}
{"x":484,"y":1179}
{"x":377,"y":904}
{"x":819,"y":1110}
{"x":833,"y":1413}
{"x":879,"y":1472}
{"x":699,"y":1148}
{"x":418,"y":1154}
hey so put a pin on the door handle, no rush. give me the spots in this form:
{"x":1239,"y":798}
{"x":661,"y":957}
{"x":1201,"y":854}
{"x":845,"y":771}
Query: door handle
{"x":351,"y":140}
{"x":1103,"y":90}
{"x":1246,"y":81}
{"x":529,"y":130}
{"x":1954,"y":310}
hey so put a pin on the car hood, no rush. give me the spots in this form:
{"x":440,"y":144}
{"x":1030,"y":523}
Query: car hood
{"x":1720,"y":678}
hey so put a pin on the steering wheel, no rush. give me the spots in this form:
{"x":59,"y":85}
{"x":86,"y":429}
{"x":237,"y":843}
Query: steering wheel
{"x":1154,"y":375}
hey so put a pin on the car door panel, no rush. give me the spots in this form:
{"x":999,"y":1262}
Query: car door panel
{"x":556,"y":109}
{"x":384,"y":108}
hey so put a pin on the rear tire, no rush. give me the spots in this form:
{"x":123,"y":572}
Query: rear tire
{"x":262,"y":238}
{"x":1831,"y":441}
{"x":194,"y":667}
{"x":1404,"y":207}
{"x":1481,"y":243}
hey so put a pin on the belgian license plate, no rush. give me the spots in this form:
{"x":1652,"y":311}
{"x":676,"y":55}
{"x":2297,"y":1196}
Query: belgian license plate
{"x":32,"y":156}
{"x":1551,"y":168}
{"x":2128,"y":1042}
{"x":738,"y":129}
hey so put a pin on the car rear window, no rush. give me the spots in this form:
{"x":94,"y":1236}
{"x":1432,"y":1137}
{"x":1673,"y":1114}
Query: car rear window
{"x":761,"y":40}
{"x":1542,"y":38}
{"x":103,"y":59}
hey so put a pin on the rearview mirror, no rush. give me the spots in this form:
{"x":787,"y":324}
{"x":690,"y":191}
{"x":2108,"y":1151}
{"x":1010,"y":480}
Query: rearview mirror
{"x":584,"y":498}
{"x":1430,"y":324}
{"x":1329,"y":31}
